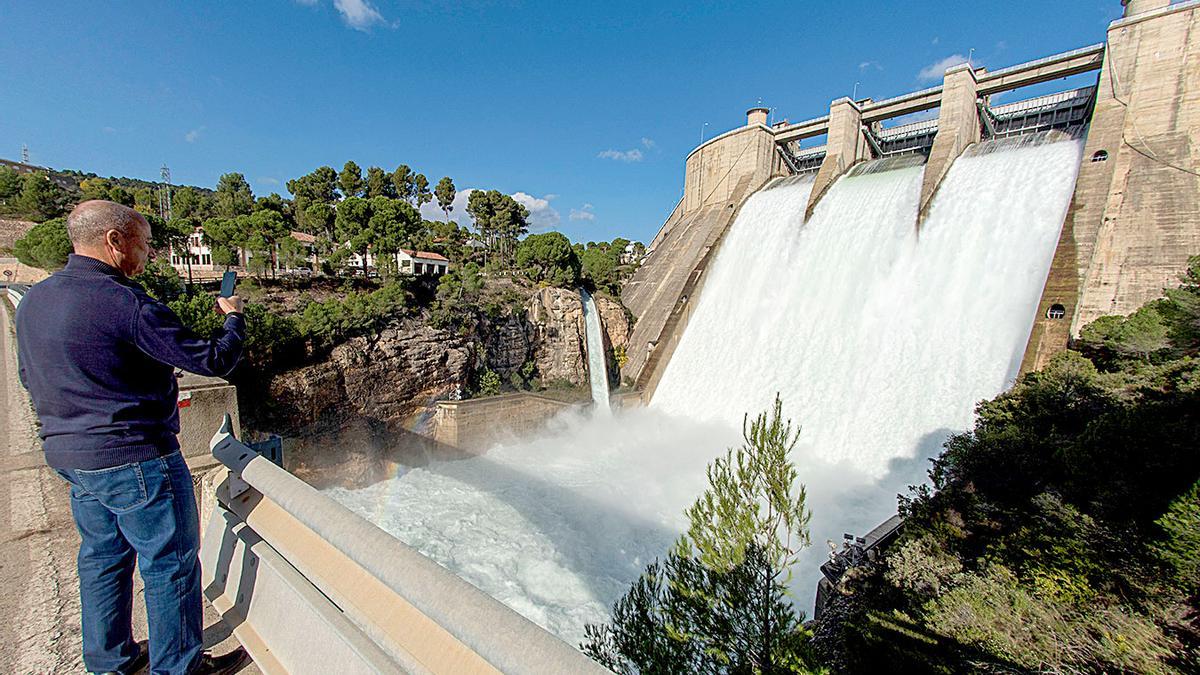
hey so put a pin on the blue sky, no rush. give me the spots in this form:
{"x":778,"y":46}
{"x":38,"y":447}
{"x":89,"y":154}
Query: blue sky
{"x":586,"y":110}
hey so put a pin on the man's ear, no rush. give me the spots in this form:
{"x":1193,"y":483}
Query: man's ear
{"x":113,"y":238}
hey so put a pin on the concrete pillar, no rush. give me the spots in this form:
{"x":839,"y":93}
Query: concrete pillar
{"x":1141,"y":6}
{"x":756,"y":116}
{"x":958,"y":127}
{"x":1132,"y":222}
{"x":845,"y":147}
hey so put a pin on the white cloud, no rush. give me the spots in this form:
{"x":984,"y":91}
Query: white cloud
{"x":109,"y":130}
{"x":458,"y":212}
{"x":358,"y":14}
{"x":633,"y":155}
{"x":648,"y":143}
{"x":194,"y":134}
{"x":935,"y":40}
{"x":542,"y":216}
{"x":868,"y":65}
{"x":583,"y":213}
{"x":937,"y":69}
{"x":307,"y":3}
{"x":268,"y":180}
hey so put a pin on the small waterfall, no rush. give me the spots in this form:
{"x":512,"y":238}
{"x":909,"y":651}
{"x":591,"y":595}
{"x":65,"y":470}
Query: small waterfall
{"x":597,"y":367}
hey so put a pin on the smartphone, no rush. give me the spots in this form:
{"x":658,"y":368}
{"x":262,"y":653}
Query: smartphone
{"x":228,"y":283}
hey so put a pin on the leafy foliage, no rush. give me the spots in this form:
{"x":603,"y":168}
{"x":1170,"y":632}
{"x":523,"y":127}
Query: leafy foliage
{"x":548,"y":258}
{"x":500,"y":220}
{"x":753,"y":496}
{"x":358,"y":313}
{"x":445,"y":194}
{"x":233,"y":197}
{"x":45,"y":245}
{"x":1060,"y":534}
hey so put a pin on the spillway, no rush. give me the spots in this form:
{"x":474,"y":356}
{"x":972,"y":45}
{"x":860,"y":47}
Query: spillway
{"x":879,"y":339}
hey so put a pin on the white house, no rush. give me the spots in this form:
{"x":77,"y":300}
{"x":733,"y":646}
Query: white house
{"x":408,"y":262}
{"x":422,"y":262}
{"x":200,"y":252}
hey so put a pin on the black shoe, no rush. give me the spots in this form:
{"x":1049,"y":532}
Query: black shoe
{"x":138,"y":663}
{"x":221,"y":665}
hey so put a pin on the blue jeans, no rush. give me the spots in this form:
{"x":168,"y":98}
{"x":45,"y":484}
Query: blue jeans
{"x":144,"y":510}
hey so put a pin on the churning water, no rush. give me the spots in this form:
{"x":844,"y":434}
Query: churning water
{"x":879,"y":340}
{"x":597,"y":364}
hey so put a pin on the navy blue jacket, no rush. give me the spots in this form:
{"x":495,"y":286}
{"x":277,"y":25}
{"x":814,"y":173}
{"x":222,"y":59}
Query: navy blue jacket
{"x":98,"y":356}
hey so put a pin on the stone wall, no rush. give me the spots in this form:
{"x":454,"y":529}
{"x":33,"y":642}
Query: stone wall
{"x":11,"y":230}
{"x":1135,"y":217}
{"x":475,"y":424}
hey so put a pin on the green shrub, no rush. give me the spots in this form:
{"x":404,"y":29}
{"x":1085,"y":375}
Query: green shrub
{"x":45,"y":245}
{"x":1179,"y":546}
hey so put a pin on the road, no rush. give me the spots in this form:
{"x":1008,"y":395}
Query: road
{"x":39,"y":589}
{"x":39,"y":594}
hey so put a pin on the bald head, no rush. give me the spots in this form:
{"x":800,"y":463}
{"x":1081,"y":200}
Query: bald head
{"x":110,"y":233}
{"x":88,"y":222}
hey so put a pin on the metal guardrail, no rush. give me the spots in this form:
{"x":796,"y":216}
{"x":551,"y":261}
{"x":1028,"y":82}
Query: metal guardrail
{"x":310,"y":587}
{"x":16,"y":292}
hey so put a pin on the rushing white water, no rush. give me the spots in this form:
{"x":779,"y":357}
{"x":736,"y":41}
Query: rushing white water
{"x":880,"y":342}
{"x":878,"y":339}
{"x":597,"y":364}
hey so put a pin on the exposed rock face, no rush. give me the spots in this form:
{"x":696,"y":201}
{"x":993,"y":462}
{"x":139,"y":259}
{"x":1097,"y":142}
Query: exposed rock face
{"x":388,"y":378}
{"x":12,"y":230}
{"x":615,"y":319}
{"x":558,"y":335}
{"x":507,"y":342}
{"x":392,"y":379}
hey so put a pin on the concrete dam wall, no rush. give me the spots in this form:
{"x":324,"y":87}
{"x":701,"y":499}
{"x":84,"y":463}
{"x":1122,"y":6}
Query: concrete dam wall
{"x":1133,"y":219}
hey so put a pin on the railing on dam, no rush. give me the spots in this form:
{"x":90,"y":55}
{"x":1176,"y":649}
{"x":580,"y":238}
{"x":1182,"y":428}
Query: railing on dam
{"x":1049,"y":68}
{"x":15,"y":293}
{"x":308,"y":587}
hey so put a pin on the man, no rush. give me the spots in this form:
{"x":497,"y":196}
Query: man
{"x":98,"y":356}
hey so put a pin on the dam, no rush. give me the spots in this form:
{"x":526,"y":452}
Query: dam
{"x":1129,"y":229}
{"x":881,"y":276}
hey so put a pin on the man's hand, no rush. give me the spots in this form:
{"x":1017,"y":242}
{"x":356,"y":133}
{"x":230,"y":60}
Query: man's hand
{"x":230,"y":305}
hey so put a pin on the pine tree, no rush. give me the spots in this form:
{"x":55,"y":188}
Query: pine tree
{"x":719,"y":603}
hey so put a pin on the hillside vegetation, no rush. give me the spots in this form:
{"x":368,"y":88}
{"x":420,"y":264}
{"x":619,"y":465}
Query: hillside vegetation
{"x":1062,"y":534}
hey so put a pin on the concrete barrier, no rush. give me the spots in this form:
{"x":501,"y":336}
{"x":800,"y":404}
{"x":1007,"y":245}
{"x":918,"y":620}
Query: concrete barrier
{"x":475,"y":423}
{"x":309,"y":587}
{"x":203,"y":404}
{"x":15,"y":293}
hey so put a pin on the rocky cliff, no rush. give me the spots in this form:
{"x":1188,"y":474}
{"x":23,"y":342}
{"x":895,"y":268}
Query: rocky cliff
{"x":394,"y":377}
{"x":390,"y":377}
